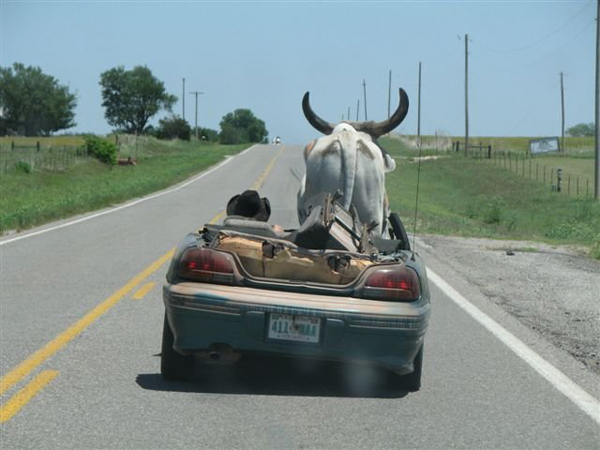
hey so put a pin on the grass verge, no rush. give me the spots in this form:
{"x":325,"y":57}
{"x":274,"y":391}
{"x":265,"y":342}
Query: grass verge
{"x":29,"y":200}
{"x":474,"y":198}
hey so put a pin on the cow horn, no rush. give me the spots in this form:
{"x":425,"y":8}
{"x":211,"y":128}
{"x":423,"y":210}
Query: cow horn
{"x":320,"y":124}
{"x":380,"y":128}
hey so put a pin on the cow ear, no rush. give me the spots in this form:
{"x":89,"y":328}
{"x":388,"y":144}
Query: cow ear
{"x":389,"y":163}
{"x":309,"y":148}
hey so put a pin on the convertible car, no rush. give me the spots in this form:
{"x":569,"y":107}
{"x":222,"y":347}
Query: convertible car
{"x":328,"y":290}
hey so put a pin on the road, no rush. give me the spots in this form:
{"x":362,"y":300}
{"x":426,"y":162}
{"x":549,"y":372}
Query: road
{"x":81,"y":320}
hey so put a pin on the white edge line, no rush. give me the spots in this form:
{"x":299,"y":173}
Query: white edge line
{"x":127,"y":205}
{"x":559,"y":380}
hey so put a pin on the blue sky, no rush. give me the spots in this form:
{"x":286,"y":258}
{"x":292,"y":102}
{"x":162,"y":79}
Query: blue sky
{"x":265,"y":55}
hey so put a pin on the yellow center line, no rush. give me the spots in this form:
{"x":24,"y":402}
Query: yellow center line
{"x":258,"y":184}
{"x":217,"y":217}
{"x":140,"y":294}
{"x":23,"y":369}
{"x":21,"y":398}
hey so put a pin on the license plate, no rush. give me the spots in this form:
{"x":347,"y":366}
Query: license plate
{"x":294,"y":328}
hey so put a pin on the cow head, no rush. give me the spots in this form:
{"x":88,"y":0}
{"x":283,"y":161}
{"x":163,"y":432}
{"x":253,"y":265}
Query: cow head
{"x":373,"y":129}
{"x":350,"y":160}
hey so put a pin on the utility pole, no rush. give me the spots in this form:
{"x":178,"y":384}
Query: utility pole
{"x":390,"y":92}
{"x":183,"y":100}
{"x":357,"y":108}
{"x":365,"y":92}
{"x":466,"y":94}
{"x":562,"y":109}
{"x":597,"y":171}
{"x":419,"y":110}
{"x":196,"y":93}
{"x":348,"y":113}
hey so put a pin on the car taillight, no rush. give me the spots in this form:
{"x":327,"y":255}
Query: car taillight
{"x":399,"y":284}
{"x":205,"y":265}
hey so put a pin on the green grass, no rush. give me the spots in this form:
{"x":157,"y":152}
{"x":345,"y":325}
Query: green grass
{"x":521,"y":143}
{"x":468,"y":197}
{"x":575,"y":146}
{"x":576,"y":167}
{"x":29,"y":200}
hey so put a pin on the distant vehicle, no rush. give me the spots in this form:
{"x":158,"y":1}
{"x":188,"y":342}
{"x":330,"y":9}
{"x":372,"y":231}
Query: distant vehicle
{"x":277,"y":140}
{"x":326,"y":291}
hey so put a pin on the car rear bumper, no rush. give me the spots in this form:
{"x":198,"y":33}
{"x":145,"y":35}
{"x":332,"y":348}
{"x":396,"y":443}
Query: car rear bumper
{"x":381,"y":333}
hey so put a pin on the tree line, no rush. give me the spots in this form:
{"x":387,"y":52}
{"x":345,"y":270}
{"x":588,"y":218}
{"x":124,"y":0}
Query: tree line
{"x":33,"y":103}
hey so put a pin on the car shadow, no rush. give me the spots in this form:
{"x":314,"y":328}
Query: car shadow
{"x":279,"y":376}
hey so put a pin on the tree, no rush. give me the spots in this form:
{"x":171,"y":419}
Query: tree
{"x":582,"y":129}
{"x":132,"y":97}
{"x":242,"y":126}
{"x":34,"y":103}
{"x":173,"y":128}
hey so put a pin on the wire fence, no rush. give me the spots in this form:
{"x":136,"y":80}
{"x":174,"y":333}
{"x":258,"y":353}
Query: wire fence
{"x":28,"y":158}
{"x":557,"y":179}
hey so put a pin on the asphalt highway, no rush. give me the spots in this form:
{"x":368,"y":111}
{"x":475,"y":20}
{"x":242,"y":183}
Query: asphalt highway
{"x":80,"y":333}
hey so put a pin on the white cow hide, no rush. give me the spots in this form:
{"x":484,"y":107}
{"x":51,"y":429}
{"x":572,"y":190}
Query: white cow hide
{"x":350,"y":162}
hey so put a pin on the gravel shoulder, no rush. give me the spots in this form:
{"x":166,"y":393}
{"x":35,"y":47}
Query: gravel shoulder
{"x":553,"y":290}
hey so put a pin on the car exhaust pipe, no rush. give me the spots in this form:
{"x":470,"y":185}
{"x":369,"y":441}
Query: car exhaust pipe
{"x":222,"y":353}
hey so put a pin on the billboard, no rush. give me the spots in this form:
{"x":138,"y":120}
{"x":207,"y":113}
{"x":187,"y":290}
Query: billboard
{"x":544,"y":145}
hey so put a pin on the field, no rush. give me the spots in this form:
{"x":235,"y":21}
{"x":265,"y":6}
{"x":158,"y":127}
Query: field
{"x":56,"y":141}
{"x":574,"y":146}
{"x":480,"y":197}
{"x":576,"y":164}
{"x":35,"y":198}
{"x":509,"y":196}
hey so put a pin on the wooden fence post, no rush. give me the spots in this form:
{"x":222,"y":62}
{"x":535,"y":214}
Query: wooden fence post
{"x":544,"y":182}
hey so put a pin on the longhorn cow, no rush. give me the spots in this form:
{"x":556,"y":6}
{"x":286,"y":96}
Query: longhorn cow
{"x":350,"y":160}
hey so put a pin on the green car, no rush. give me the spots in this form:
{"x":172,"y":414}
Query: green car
{"x":242,"y":288}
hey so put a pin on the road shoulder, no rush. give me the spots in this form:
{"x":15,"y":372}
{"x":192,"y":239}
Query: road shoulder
{"x":546,"y":294}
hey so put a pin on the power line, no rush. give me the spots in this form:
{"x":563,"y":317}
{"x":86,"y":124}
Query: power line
{"x":549,"y":55}
{"x":536,"y":106}
{"x":533,"y":44}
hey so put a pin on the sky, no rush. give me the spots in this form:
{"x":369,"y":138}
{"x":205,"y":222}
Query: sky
{"x":264,"y":55}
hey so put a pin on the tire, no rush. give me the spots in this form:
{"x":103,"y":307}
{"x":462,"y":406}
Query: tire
{"x":173,"y":365}
{"x":410,"y":382}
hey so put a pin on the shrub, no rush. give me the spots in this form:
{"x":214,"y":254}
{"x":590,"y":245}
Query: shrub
{"x":101,"y":149}
{"x":22,"y":166}
{"x":492,"y":213}
{"x":173,"y":128}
